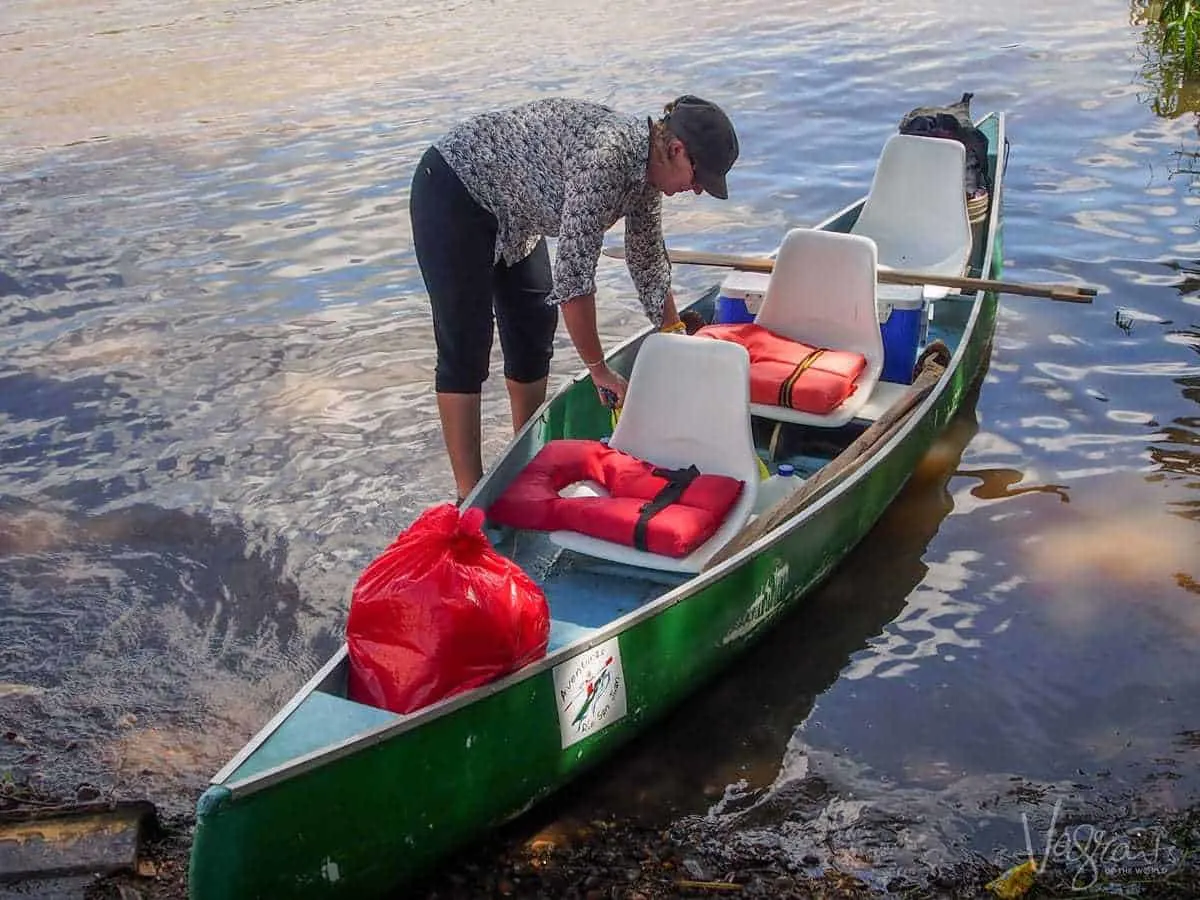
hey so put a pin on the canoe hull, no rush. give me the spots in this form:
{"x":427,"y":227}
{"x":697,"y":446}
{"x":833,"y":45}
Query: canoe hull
{"x":390,"y":811}
{"x":360,"y":819}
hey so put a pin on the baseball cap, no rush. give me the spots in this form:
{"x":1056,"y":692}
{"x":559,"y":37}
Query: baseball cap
{"x":709,"y":137}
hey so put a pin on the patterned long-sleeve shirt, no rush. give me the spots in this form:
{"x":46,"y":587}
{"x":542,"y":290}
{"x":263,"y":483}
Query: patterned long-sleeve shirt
{"x":571,"y":169}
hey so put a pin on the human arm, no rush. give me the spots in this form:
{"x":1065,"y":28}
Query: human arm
{"x":671,"y":320}
{"x":579,"y":315}
{"x":593,"y":198}
{"x":646,"y":258}
{"x":589,"y":208}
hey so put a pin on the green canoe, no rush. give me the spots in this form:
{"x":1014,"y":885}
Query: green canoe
{"x":336,"y":799}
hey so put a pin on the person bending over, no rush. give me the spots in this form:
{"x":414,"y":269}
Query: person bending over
{"x":485,"y":196}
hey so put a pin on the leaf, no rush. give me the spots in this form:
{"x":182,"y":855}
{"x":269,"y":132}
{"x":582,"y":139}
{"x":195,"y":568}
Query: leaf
{"x":1014,"y":883}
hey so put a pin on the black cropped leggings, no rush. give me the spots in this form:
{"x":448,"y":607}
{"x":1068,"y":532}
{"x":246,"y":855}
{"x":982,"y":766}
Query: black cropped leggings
{"x":455,"y":242}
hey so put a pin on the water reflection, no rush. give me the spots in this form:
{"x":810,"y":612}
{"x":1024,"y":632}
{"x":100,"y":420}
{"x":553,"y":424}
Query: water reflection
{"x":1170,"y":72}
{"x":1171,"y":76}
{"x":819,"y":806}
{"x":899,"y":769}
{"x":184,"y":632}
{"x":215,"y":406}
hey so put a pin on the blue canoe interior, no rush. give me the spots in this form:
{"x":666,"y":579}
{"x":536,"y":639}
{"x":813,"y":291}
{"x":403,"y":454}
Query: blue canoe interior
{"x":586,"y":594}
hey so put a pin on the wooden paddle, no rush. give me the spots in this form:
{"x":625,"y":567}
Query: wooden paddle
{"x":859,"y":451}
{"x":1066,"y":292}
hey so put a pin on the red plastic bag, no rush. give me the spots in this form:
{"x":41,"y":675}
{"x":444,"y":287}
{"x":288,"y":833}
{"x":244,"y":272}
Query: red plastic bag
{"x":440,"y":612}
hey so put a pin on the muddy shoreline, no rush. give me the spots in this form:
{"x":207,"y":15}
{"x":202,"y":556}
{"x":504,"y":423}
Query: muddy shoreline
{"x":545,"y":854}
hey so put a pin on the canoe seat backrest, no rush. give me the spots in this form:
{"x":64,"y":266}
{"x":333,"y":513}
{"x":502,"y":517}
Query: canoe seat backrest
{"x":916,"y":210}
{"x":688,"y":403}
{"x":822,"y":293}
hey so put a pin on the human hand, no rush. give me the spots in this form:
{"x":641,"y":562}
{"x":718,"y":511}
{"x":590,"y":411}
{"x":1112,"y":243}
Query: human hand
{"x":692,"y":321}
{"x":610,"y":386}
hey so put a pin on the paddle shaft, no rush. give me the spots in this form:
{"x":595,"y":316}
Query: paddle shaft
{"x":1064,"y":292}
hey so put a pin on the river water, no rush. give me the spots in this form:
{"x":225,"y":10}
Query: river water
{"x":215,"y":401}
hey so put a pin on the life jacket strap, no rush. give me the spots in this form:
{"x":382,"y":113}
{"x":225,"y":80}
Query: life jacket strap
{"x":671,"y":492}
{"x":785,"y":389}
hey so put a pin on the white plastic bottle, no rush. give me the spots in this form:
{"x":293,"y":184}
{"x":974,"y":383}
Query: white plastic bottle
{"x":772,"y":490}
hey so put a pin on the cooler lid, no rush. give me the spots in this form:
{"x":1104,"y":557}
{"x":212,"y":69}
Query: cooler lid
{"x":745,"y":285}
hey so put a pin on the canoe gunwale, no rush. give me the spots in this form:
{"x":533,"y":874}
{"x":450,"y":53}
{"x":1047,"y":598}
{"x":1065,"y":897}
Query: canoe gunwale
{"x":280,"y":716}
{"x":702,"y":581}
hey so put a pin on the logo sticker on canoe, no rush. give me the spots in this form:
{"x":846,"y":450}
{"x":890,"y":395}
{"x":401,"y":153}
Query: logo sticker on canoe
{"x":590,"y":690}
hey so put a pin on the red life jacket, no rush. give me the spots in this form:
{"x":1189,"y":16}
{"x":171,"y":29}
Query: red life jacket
{"x":667,"y":512}
{"x":790,"y":373}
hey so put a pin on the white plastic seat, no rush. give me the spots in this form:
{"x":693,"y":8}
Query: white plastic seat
{"x":822,"y":292}
{"x":688,"y":403}
{"x":916,"y":211}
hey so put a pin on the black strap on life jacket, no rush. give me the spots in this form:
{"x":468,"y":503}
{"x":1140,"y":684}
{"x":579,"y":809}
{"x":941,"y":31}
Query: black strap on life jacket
{"x":677,"y":482}
{"x":785,"y":389}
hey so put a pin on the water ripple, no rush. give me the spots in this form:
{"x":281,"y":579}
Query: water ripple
{"x":215,"y":400}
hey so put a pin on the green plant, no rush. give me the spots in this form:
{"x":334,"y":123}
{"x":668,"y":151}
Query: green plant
{"x":1180,"y":22}
{"x":1170,"y":49}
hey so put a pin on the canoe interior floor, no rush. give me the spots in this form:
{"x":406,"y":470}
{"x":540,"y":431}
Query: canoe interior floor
{"x":584,"y":594}
{"x":321,"y":720}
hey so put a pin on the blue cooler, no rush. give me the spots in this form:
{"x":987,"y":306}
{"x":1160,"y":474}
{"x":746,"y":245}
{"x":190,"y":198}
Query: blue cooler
{"x":904,"y":324}
{"x":740,"y":297}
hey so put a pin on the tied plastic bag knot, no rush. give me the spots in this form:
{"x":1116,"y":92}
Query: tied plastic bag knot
{"x":440,"y":611}
{"x":471,"y":521}
{"x":463,"y":530}
{"x":451,"y":521}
